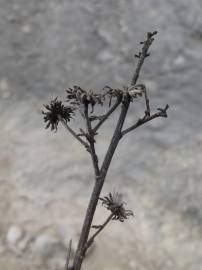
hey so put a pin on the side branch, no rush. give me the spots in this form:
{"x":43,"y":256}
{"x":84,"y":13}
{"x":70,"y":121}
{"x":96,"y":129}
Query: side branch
{"x":99,"y":229}
{"x":90,"y":137}
{"x":142,"y":55}
{"x":105,"y":117}
{"x":147,"y":112}
{"x":145,"y":119}
{"x":115,"y":138}
{"x":74,"y":133}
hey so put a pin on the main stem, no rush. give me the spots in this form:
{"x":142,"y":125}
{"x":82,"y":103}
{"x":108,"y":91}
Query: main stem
{"x":99,"y":181}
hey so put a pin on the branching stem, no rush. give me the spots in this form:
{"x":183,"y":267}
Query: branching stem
{"x":145,"y":119}
{"x":106,"y":116}
{"x":90,"y":137}
{"x":100,"y":173}
{"x":99,"y":229}
{"x":74,"y":133}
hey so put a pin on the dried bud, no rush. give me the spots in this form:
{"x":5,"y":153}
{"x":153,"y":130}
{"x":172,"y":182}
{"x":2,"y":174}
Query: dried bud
{"x":115,"y":204}
{"x":55,"y":111}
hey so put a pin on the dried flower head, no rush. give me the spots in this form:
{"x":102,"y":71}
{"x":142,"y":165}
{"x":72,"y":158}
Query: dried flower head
{"x":55,"y":111}
{"x":115,"y":204}
{"x":77,"y":96}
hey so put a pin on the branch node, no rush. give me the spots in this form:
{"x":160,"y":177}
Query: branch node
{"x":163,"y":112}
{"x":96,"y":226}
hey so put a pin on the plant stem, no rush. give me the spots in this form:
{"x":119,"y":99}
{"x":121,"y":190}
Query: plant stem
{"x":143,"y":54}
{"x":90,"y":137}
{"x":100,"y":175}
{"x":100,"y":228}
{"x":80,"y":253}
{"x":141,"y":121}
{"x":73,"y":133}
{"x":104,"y":118}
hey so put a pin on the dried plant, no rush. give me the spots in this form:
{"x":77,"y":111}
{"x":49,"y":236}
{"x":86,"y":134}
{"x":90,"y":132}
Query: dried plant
{"x":84,"y":102}
{"x":115,"y":204}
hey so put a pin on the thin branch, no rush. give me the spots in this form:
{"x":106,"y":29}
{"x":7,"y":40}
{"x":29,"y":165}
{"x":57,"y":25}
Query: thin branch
{"x":83,"y":133}
{"x":74,"y":133}
{"x":142,"y":55}
{"x":90,"y":137}
{"x":147,"y":112}
{"x":104,"y":117}
{"x":145,"y":119}
{"x":140,"y":90}
{"x":100,"y":228}
{"x":116,"y":137}
{"x":96,"y":117}
{"x":68,"y":255}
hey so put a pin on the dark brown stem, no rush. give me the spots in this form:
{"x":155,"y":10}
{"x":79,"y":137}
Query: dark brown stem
{"x":142,"y":55}
{"x":115,"y":139}
{"x":74,"y":133}
{"x":161,"y":113}
{"x":105,"y":117}
{"x":147,"y":112}
{"x":90,"y":137}
{"x":100,"y":228}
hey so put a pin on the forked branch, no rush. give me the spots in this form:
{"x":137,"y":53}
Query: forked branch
{"x":90,"y":136}
{"x":99,"y":229}
{"x":145,"y":119}
{"x":74,"y":133}
{"x":106,"y":116}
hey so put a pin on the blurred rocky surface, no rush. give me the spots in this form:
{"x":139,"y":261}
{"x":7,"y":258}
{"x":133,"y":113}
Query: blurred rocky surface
{"x":45,"y":178}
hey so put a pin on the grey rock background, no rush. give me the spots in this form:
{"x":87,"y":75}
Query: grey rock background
{"x":45,"y":178}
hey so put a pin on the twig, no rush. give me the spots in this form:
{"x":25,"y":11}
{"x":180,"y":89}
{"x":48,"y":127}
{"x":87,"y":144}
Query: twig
{"x":141,"y":121}
{"x":115,"y":139}
{"x":142,"y":55}
{"x":104,"y":117}
{"x":74,"y":133}
{"x":140,"y":90}
{"x":147,"y":112}
{"x":100,"y":228}
{"x":90,"y":137}
{"x":95,"y":117}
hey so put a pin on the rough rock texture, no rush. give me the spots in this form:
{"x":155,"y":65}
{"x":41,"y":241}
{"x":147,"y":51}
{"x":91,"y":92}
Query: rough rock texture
{"x":46,"y":178}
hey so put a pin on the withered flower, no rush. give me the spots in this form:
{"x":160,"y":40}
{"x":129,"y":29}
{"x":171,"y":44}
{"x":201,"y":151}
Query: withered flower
{"x":55,"y":111}
{"x":77,"y":96}
{"x":115,"y":204}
